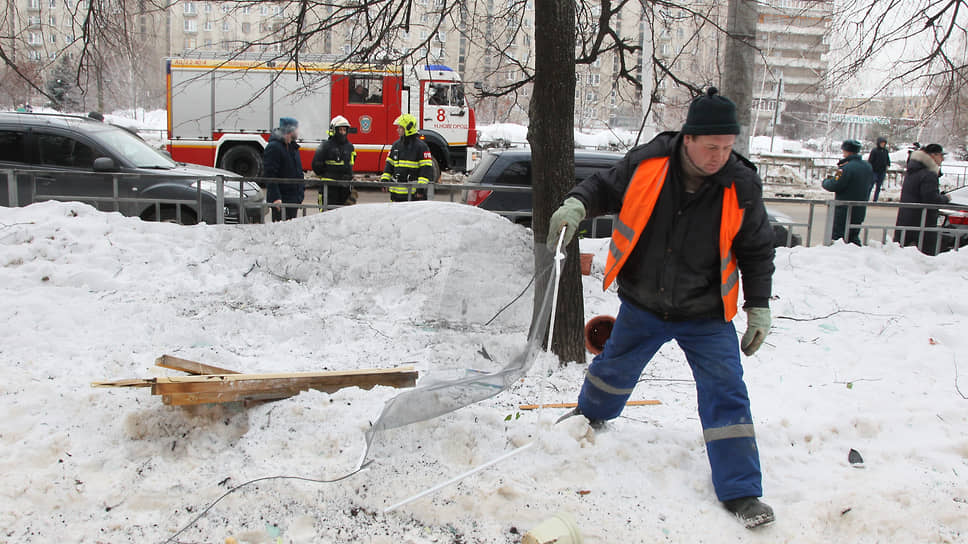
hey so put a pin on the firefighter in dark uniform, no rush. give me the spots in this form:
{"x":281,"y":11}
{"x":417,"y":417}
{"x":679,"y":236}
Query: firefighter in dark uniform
{"x":334,"y":160}
{"x":409,"y":161}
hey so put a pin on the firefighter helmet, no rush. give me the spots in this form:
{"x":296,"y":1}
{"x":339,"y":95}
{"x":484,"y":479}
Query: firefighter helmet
{"x":339,"y":121}
{"x":408,"y":122}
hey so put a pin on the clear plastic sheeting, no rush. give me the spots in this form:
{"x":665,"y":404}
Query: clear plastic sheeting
{"x":434,"y":398}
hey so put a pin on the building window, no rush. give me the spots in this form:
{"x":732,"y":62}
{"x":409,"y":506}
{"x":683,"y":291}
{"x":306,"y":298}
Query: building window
{"x":52,"y":21}
{"x":190,"y":43}
{"x":208,"y":7}
{"x":246,"y":27}
{"x":34,"y":4}
{"x":245,"y":10}
{"x":53,"y":3}
{"x":264,"y":10}
{"x":190,"y":25}
{"x":208,"y":26}
{"x":277,"y":11}
{"x":53,"y":39}
{"x":189,"y":8}
{"x":226,"y":26}
{"x":34,"y":38}
{"x":34,"y":55}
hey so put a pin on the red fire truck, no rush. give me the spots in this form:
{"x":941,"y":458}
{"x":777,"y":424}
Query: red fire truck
{"x":220,"y":113}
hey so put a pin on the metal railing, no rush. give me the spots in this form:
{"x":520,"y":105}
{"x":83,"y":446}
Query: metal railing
{"x":120,"y":192}
{"x":215,"y":207}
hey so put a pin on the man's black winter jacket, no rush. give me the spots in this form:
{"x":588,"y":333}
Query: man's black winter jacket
{"x":674,"y":269}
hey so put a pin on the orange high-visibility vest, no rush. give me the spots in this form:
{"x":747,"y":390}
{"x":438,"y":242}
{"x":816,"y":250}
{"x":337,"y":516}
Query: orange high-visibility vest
{"x":640,"y":198}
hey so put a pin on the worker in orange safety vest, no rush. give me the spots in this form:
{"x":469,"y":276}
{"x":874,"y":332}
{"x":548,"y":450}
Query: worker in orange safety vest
{"x":691,"y":223}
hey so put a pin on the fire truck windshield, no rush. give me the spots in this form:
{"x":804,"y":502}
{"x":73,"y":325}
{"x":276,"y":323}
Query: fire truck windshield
{"x":446,"y":94}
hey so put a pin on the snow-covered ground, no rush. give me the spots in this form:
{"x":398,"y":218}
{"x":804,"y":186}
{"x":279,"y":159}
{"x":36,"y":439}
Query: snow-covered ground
{"x":867,"y":352}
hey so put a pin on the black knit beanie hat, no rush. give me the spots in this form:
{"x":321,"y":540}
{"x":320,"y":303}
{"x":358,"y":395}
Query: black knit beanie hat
{"x":711,"y":113}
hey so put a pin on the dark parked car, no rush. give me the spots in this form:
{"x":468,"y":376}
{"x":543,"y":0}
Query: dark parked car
{"x":77,"y":158}
{"x":513,"y":167}
{"x":955,"y":219}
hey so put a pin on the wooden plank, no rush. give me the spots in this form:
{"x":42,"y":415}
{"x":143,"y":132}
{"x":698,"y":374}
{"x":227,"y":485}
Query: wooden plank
{"x":333,"y":374}
{"x":251,"y":383}
{"x":575,"y":404}
{"x":191,"y":367}
{"x":137,"y":382}
{"x":188,"y":399}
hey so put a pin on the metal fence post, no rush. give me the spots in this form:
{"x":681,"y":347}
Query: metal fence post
{"x":220,"y":201}
{"x":828,"y":229}
{"x":12,"y":199}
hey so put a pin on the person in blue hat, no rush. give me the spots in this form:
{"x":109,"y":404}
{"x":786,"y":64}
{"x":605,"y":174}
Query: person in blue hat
{"x":852,"y":182}
{"x":281,"y":160}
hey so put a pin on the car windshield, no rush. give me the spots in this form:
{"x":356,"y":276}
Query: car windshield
{"x":133,"y":149}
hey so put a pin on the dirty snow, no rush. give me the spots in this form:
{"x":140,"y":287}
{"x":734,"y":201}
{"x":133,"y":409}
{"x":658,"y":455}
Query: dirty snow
{"x":867,"y":352}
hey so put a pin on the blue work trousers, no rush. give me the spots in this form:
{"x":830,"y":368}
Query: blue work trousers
{"x":712,"y":349}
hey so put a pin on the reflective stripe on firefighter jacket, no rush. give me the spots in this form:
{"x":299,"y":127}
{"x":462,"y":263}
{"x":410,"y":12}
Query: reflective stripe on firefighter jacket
{"x":637,"y":206}
{"x":409,"y":161}
{"x":334,"y":159}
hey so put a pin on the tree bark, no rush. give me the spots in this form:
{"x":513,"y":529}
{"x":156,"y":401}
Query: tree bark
{"x":738,"y":66}
{"x":552,"y":137}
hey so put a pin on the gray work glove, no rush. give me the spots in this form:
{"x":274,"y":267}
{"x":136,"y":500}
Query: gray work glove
{"x":758,"y":322}
{"x":570,"y":213}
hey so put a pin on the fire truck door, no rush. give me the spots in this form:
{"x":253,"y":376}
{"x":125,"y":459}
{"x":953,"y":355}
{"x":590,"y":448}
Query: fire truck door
{"x":443,"y":111}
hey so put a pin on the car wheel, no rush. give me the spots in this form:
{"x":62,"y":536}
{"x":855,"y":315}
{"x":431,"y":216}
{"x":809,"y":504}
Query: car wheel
{"x":244,"y":160}
{"x":170,"y":215}
{"x":436,"y":167}
{"x":782,"y":237}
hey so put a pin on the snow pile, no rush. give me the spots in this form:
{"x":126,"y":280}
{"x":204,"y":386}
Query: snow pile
{"x":864,"y":360}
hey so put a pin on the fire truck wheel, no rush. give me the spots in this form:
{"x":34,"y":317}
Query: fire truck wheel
{"x":244,"y":160}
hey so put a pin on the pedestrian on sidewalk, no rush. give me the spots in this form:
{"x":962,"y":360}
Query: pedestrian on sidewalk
{"x":880,"y":160}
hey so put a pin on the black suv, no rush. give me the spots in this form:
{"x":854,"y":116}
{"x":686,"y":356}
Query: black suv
{"x":66,"y":157}
{"x":513,"y":167}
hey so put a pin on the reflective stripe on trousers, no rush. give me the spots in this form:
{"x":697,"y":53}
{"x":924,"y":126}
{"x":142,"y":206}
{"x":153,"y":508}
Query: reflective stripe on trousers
{"x":712,"y":350}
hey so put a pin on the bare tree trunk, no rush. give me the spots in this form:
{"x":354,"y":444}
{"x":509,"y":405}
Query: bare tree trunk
{"x":552,"y":138}
{"x":740,"y":58}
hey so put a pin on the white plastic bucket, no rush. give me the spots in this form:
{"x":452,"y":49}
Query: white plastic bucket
{"x":558,"y":529}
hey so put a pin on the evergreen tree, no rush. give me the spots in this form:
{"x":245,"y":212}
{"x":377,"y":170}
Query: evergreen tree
{"x":61,"y":87}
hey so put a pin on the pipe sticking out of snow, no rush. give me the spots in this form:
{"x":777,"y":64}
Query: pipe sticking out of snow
{"x":458,"y":478}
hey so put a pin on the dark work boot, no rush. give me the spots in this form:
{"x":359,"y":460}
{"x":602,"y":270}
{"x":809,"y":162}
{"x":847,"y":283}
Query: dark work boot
{"x":596,"y":424}
{"x":750,"y":511}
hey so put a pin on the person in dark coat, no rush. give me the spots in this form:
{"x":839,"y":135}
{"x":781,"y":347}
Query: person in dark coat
{"x":879,"y":160}
{"x":281,"y":160}
{"x":921,"y":186}
{"x":334,"y":160}
{"x":691,"y":220}
{"x":852,"y":182}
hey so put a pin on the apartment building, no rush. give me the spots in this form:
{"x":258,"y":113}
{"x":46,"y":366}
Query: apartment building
{"x":790,"y":75}
{"x":124,"y":60}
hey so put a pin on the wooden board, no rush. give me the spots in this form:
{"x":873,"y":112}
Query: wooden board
{"x":575,"y":404}
{"x":191,"y":367}
{"x":201,"y":389}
